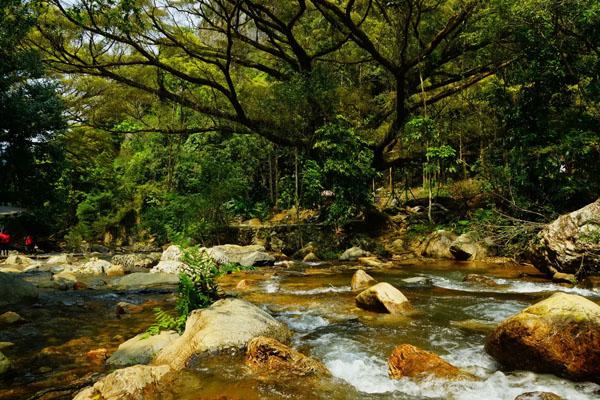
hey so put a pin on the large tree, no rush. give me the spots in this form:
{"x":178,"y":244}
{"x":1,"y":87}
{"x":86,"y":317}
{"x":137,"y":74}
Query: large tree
{"x":30,"y":115}
{"x":274,"y":68}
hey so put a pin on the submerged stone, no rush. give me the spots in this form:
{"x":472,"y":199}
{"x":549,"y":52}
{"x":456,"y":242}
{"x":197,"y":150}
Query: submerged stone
{"x":269,"y":355}
{"x":141,"y":349}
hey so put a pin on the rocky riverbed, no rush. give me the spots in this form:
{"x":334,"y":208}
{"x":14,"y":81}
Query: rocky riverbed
{"x":334,"y":348}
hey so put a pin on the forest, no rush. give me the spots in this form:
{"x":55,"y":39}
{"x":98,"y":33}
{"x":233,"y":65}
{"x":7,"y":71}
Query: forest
{"x":254,"y":154}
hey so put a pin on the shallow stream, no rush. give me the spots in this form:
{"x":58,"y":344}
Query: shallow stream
{"x":317,"y":304}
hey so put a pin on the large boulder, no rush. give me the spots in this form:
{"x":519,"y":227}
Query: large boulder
{"x":143,"y":280}
{"x":269,"y":355}
{"x":231,"y":253}
{"x":15,"y":290}
{"x":569,"y":243}
{"x":228,"y":323}
{"x":410,"y":361}
{"x":361,"y":280}
{"x":172,"y":253}
{"x":437,"y":245}
{"x":353,"y":253}
{"x":168,"y":267}
{"x":468,"y":247}
{"x":139,"y":382}
{"x":559,"y":335}
{"x":141,"y":349}
{"x":257,"y":258}
{"x":383,"y":297}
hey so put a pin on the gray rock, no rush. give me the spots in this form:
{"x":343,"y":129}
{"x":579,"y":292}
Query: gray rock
{"x":231,"y":253}
{"x":94,"y":267}
{"x":140,"y":350}
{"x":138,"y":382}
{"x":468,"y":247}
{"x":13,"y":290}
{"x":353,"y":253}
{"x":143,"y":280}
{"x":228,"y":323}
{"x":60,"y":259}
{"x":136,"y":262}
{"x":168,"y":267}
{"x":383,"y":297}
{"x":257,"y":258}
{"x":418,"y":281}
{"x":437,"y":245}
{"x":569,"y":243}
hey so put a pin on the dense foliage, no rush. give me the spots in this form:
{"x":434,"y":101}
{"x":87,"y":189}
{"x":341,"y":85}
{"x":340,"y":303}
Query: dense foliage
{"x":186,"y":116}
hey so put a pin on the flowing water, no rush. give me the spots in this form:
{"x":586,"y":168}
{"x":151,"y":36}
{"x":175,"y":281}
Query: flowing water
{"x":317,"y":304}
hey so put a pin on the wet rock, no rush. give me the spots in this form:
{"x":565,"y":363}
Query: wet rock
{"x":141,"y":349}
{"x":561,"y":277}
{"x":243,"y":284}
{"x":310,"y":247}
{"x":257,"y":258}
{"x":410,"y":361}
{"x":353,"y":253}
{"x":374,"y":262}
{"x":14,"y":289}
{"x":4,"y":364}
{"x":228,"y":323}
{"x":10,"y":270}
{"x":6,"y":345}
{"x":568,"y":243}
{"x":60,"y":259}
{"x":97,"y":356}
{"x":418,"y":281}
{"x":115,"y":270}
{"x":468,"y":247}
{"x":124,"y":307}
{"x":383,"y":297}
{"x":311,"y":257}
{"x":139,"y":382}
{"x":559,"y":335}
{"x":144,"y":280}
{"x":474,"y":325}
{"x":437,"y":245}
{"x":232,"y":253}
{"x":361,"y":280}
{"x":18,"y":259}
{"x":397,"y":246}
{"x":269,"y":355}
{"x":168,"y":267}
{"x":538,"y":396}
{"x":10,"y":317}
{"x":94,"y":266}
{"x":136,"y":262}
{"x":64,"y":280}
{"x":591,"y":282}
{"x":480,"y":280}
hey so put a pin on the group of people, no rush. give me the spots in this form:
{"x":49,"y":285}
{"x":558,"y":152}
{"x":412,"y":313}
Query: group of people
{"x":6,"y":243}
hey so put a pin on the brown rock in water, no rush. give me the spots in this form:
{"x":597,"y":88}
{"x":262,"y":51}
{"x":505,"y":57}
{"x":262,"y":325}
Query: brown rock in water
{"x":97,"y":356}
{"x":139,"y":382}
{"x":243,"y":284}
{"x":410,"y":361}
{"x":538,"y":396}
{"x":480,"y":279}
{"x":383,"y":297}
{"x":124,"y":307}
{"x":311,"y":257}
{"x":374,"y":262}
{"x":361,"y":280}
{"x":268,"y":354}
{"x":561,"y":277}
{"x":10,"y":317}
{"x":559,"y":335}
{"x":568,"y":244}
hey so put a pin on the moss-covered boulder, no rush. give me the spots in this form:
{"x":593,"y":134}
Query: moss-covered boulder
{"x":559,"y":335}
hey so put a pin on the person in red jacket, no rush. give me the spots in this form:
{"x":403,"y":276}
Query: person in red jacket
{"x":29,"y":244}
{"x":4,"y":243}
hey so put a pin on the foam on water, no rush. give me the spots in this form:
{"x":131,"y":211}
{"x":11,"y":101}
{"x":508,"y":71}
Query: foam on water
{"x":353,"y":363}
{"x":494,"y":310}
{"x":302,"y":321}
{"x":271,"y":285}
{"x":320,"y":290}
{"x":510,"y":286}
